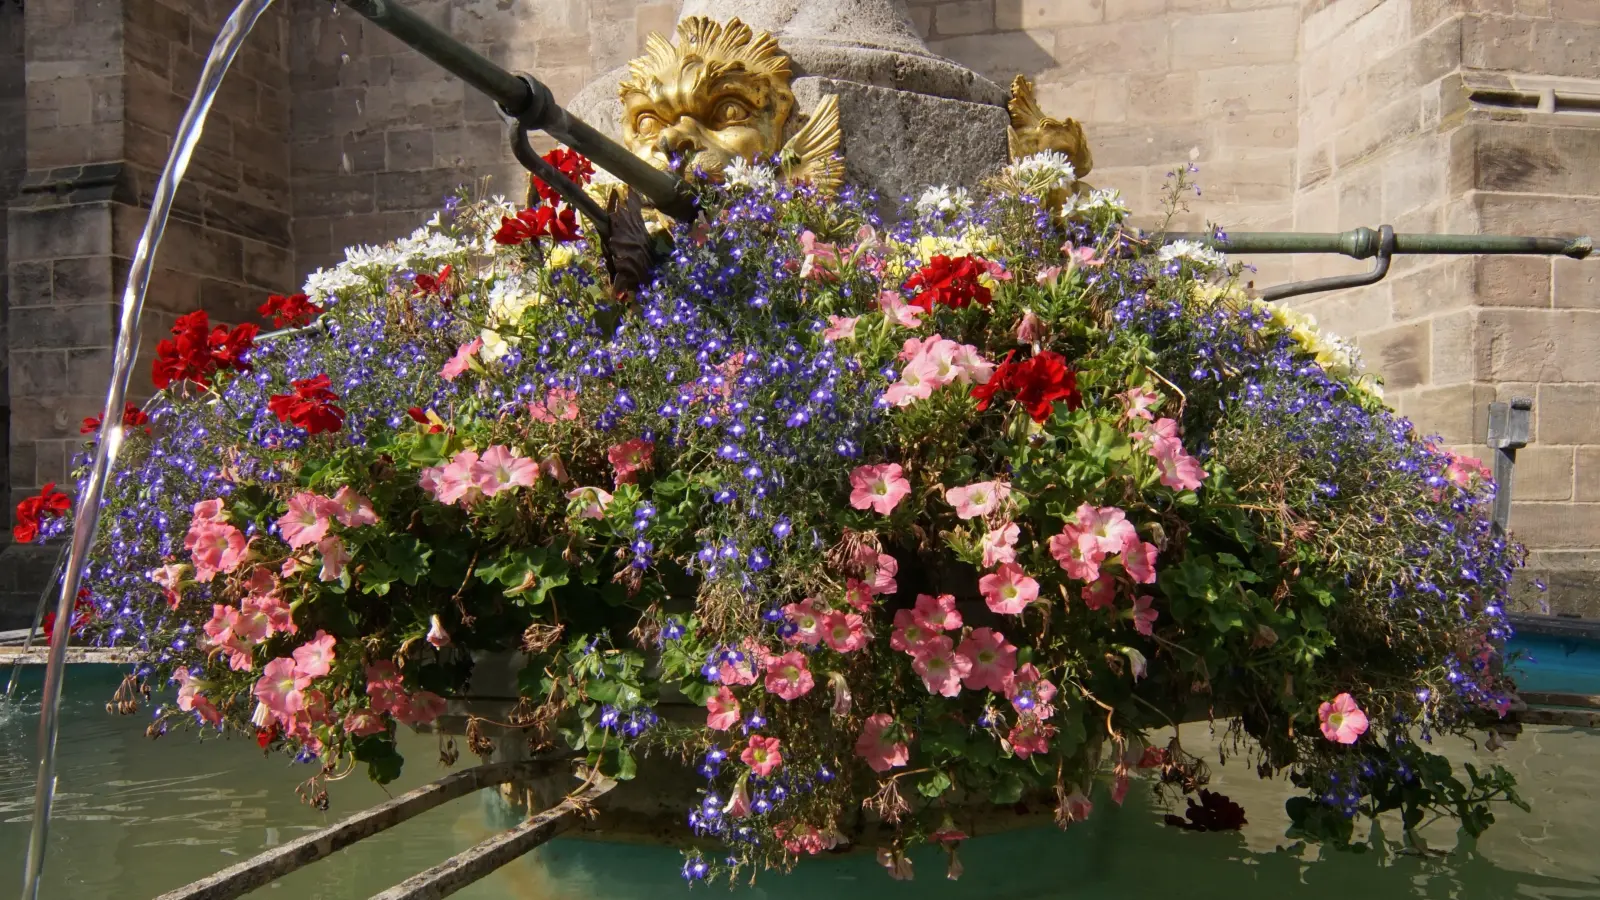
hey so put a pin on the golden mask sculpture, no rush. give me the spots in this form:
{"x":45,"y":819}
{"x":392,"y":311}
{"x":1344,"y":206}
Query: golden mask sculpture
{"x":722,"y":93}
{"x":1033,"y":132}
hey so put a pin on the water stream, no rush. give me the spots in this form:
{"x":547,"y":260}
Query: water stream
{"x":136,"y":817}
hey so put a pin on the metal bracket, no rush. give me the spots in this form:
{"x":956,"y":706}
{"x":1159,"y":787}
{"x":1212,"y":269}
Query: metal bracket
{"x":570,"y":192}
{"x":1508,"y":433}
{"x":1364,"y":245}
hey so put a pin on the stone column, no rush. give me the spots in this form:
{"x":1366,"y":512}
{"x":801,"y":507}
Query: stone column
{"x":908,"y":116}
{"x":1471,"y":116}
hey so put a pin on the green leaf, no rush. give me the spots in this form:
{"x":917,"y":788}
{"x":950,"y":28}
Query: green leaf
{"x":1007,"y":790}
{"x":627,"y":766}
{"x":698,"y":692}
{"x":934,"y":785}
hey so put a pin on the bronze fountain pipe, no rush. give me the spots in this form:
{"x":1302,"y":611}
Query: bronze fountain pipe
{"x":1364,"y":243}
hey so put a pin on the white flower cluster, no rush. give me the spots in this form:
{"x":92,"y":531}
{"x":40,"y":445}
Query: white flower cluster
{"x":944,"y":200}
{"x":1194,"y":252}
{"x":1042,"y":172}
{"x":324,"y":285}
{"x":744,"y":173}
{"x":363,"y":256}
{"x":425,"y":247}
{"x":1096,"y":201}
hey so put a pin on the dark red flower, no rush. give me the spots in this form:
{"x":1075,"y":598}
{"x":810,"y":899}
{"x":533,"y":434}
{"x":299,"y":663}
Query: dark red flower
{"x":295,"y":309}
{"x":49,"y":503}
{"x":519,"y":229}
{"x":132,"y":417}
{"x":82,"y":612}
{"x":1038,"y":382}
{"x":265,"y":735}
{"x":952,"y":282}
{"x":434,"y":284}
{"x":309,"y":407}
{"x":536,"y":222}
{"x":196,"y":350}
{"x":570,"y":163}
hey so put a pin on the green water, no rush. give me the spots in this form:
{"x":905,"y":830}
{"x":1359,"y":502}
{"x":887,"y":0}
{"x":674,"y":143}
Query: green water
{"x":136,"y":818}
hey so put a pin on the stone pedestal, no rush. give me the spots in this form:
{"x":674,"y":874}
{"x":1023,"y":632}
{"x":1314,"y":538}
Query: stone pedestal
{"x":907,"y":115}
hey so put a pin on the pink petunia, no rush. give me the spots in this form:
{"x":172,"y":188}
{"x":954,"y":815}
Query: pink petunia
{"x":461,"y":361}
{"x":437,"y":636}
{"x":1139,"y":559}
{"x":879,"y":487}
{"x":840,"y":328}
{"x":428,"y":480}
{"x":885,"y":568}
{"x":383,"y":686}
{"x":592,"y":502}
{"x":844,"y":632}
{"x":1108,"y":525}
{"x":917,"y":382}
{"x":559,"y":405}
{"x":858,"y":595}
{"x":999,"y":545}
{"x":1144,"y":616}
{"x":500,"y":469}
{"x":1030,"y":736}
{"x":807,"y":620}
{"x":421,"y":708}
{"x":762,"y":755}
{"x":281,"y":688}
{"x":1008,"y":590}
{"x":314,"y":658}
{"x":210,"y":511}
{"x":306,"y":521}
{"x":362,"y":721}
{"x":898,"y":311}
{"x":979,"y":499}
{"x":722,"y":710}
{"x":909,"y":631}
{"x":217,"y":548}
{"x":334,"y":558}
{"x":879,"y":744}
{"x":351,"y":509}
{"x":630,"y":458}
{"x":941,"y":668}
{"x":458,"y":481}
{"x":553,"y":468}
{"x":1077,"y":807}
{"x":993,"y":660}
{"x":1031,"y":328}
{"x":1342,"y":720}
{"x":170,"y":577}
{"x":1180,"y":471}
{"x":1100,"y":593}
{"x":938,"y":613}
{"x":746,"y":669}
{"x":1077,"y":553}
{"x":789,"y":677}
{"x":1136,"y":403}
{"x":191,"y":700}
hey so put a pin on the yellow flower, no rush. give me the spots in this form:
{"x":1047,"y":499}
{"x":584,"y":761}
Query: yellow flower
{"x":561,"y":256}
{"x":494,"y":346}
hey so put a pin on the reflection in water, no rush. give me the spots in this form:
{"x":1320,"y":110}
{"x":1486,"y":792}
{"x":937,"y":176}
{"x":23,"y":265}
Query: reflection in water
{"x":137,"y":818}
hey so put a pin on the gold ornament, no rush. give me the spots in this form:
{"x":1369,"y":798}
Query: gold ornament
{"x":1033,"y":132}
{"x":722,"y":93}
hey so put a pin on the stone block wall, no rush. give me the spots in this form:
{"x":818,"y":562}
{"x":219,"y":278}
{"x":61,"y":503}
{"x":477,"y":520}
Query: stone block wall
{"x":13,"y":163}
{"x":1471,"y":116}
{"x":381,"y":135}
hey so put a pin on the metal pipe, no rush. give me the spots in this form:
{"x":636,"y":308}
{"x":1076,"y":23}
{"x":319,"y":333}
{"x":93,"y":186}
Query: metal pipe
{"x":1362,"y":243}
{"x":529,"y":101}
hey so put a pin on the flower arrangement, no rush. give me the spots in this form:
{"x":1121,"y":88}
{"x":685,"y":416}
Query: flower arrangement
{"x":950,"y":511}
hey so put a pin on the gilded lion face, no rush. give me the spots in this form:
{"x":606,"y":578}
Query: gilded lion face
{"x":721,"y":93}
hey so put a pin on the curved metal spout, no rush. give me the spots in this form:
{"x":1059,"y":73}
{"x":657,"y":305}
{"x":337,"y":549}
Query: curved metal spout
{"x":1363,"y":243}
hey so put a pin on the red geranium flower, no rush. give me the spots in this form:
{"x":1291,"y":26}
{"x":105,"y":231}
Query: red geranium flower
{"x":434,"y":284}
{"x":196,"y":350}
{"x":570,"y":163}
{"x":1038,"y":382}
{"x":309,"y":407}
{"x":419,"y":416}
{"x":82,"y":612}
{"x":295,"y":309}
{"x":536,"y":222}
{"x":952,"y":282}
{"x":265,"y":735}
{"x":49,"y":503}
{"x":132,"y":417}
